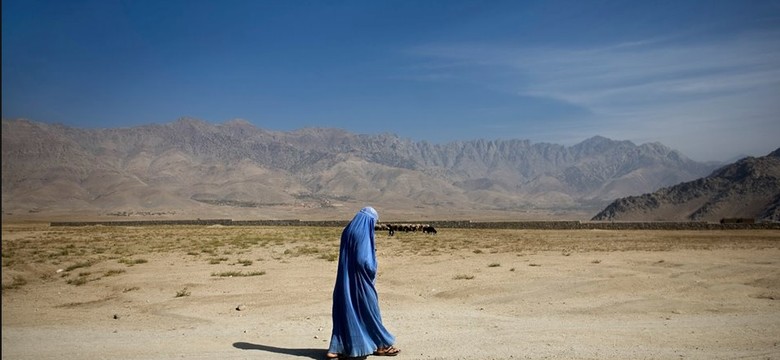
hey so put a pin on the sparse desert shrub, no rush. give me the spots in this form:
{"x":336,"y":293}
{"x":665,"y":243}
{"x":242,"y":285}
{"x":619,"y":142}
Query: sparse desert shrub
{"x":494,"y":265}
{"x":18,"y":282}
{"x":463,"y":277}
{"x":214,"y":261}
{"x":302,"y":250}
{"x":183,"y":292}
{"x":82,"y":264}
{"x":329,"y":257}
{"x":131,"y":262}
{"x":81,"y":280}
{"x":244,"y":262}
{"x":113,"y":272}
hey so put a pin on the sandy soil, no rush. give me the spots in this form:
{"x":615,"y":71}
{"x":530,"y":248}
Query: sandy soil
{"x":552,"y":301}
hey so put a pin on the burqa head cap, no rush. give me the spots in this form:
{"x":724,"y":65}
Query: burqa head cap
{"x":370,"y":212}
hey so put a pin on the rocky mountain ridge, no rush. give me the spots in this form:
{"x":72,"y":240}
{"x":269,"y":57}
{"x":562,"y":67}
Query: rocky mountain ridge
{"x":191,"y":164}
{"x":746,"y":189}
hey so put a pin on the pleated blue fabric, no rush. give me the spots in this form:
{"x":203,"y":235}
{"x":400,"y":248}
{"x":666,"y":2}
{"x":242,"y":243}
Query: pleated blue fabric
{"x":357,"y":322}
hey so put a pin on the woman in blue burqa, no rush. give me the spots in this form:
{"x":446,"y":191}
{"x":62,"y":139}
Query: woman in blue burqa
{"x":357,"y":323}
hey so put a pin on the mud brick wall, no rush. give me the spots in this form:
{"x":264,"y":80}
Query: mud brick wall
{"x":519,"y":225}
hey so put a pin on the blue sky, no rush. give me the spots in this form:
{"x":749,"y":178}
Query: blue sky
{"x":702,"y":77}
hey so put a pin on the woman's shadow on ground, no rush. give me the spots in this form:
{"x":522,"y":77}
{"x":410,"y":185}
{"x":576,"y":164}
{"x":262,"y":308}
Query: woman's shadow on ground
{"x":309,"y":353}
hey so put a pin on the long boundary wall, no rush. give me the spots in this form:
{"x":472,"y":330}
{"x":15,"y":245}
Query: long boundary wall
{"x":530,"y":225}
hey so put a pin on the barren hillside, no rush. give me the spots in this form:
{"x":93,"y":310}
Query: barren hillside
{"x":749,"y":188}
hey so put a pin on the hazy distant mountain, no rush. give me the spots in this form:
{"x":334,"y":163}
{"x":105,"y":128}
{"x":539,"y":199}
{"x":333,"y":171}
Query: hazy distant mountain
{"x":748,"y":188}
{"x":193,"y":164}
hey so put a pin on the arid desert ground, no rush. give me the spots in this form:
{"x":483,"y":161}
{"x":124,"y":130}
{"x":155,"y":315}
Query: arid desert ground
{"x":216,"y":292}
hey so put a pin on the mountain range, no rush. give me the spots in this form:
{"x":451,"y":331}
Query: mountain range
{"x":193,"y":168}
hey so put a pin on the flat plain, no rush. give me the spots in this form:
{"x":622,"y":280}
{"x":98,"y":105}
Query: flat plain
{"x":232,"y":292}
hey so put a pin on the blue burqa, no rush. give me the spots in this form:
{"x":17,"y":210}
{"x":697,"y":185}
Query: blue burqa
{"x":357,"y":323}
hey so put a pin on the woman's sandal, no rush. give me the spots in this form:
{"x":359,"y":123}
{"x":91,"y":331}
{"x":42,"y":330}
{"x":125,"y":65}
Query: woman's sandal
{"x":387,"y":351}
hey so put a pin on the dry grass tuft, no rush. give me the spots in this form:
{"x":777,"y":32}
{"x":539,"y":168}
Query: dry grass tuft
{"x":238,"y":273}
{"x":131,"y":262}
{"x":463,"y":277}
{"x":183,"y":292}
{"x":18,"y":281}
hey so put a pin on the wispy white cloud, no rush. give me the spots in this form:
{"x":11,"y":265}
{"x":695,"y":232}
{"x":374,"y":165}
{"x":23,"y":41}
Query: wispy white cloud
{"x":711,"y":99}
{"x":643,"y":75}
